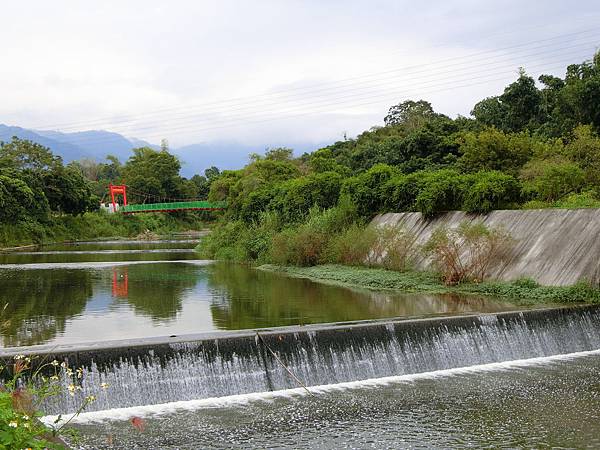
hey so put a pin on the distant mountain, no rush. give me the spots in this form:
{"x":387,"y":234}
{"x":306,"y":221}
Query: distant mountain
{"x":69,"y":152}
{"x":97,"y":144}
{"x":195,"y":158}
{"x":230,"y":155}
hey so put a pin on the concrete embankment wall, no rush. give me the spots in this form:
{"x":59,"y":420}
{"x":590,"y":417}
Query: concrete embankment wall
{"x":552,"y":246}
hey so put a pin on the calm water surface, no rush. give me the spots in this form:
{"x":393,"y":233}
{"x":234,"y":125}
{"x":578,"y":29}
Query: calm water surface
{"x":100,"y":291}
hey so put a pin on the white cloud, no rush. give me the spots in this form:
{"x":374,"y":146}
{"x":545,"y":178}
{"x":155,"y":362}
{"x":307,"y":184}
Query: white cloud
{"x":198,"y":70}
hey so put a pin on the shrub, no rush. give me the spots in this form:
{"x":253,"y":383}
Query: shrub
{"x":582,"y":200}
{"x":296,"y":197}
{"x":300,"y":247}
{"x":489,"y":191}
{"x":400,"y":248}
{"x":573,"y":201}
{"x":305,"y":244}
{"x":367,"y":189}
{"x":468,"y":252}
{"x":352,"y":246}
{"x":393,"y":248}
{"x":400,"y":192}
{"x":442,"y":191}
{"x":492,"y":149}
{"x":221,"y":242}
{"x":549,"y":180}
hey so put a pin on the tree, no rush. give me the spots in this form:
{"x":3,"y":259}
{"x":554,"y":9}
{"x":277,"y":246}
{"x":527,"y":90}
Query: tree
{"x":522,"y":101}
{"x":490,"y":112}
{"x":153,"y":175}
{"x":222,"y":187}
{"x":16,"y":199}
{"x":211,"y":173}
{"x":164,"y":145}
{"x":410,"y":114}
{"x":202,"y":185}
{"x":279,"y":154}
{"x":492,"y":149}
{"x":518,"y":108}
{"x":68,"y":191}
{"x":323,"y":160}
{"x":23,"y":155}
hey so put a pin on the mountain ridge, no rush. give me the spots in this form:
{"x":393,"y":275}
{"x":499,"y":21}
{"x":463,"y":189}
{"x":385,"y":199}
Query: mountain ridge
{"x":98,"y":144}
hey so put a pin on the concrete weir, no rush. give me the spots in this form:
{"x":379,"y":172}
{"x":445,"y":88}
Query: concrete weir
{"x":161,"y":370}
{"x":555,"y":247}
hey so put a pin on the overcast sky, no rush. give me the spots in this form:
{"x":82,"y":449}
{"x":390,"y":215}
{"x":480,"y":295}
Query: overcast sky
{"x":270,"y":72}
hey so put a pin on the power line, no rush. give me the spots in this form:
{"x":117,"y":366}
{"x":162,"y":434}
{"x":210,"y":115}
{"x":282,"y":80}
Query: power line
{"x":375,"y":88}
{"x":129,"y":118}
{"x":368,"y":103}
{"x":335,"y":101}
{"x":443,"y":71}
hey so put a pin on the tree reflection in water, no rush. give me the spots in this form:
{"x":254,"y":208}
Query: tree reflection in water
{"x":39,"y":303}
{"x":247,"y":298}
{"x":155,"y":290}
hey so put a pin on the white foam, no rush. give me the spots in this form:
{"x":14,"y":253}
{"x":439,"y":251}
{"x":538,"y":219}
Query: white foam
{"x":243,"y":399}
{"x":133,"y":241}
{"x":107,"y":252}
{"x":99,"y":265}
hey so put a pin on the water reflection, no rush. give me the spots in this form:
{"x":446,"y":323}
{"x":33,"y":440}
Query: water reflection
{"x":39,"y":305}
{"x":156,"y":290}
{"x":45,"y":257}
{"x":143,"y":294}
{"x":246,"y":298}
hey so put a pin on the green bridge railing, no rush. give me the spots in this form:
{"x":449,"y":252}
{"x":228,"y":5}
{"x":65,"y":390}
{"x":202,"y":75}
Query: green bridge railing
{"x":173,"y":206}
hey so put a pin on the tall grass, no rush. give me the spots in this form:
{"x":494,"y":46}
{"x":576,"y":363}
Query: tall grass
{"x":333,"y":235}
{"x":468,"y":252}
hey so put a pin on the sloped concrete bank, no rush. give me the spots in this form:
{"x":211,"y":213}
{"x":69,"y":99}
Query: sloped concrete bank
{"x":555,"y":247}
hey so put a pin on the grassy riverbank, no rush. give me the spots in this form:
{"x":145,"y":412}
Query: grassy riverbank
{"x":522,"y":292}
{"x":93,"y":225}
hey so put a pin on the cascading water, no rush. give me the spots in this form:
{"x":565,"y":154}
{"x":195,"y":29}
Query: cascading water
{"x":242,"y":364}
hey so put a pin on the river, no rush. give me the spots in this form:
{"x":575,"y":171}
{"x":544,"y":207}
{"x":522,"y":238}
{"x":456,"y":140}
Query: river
{"x":478,"y":387}
{"x":99,"y":291}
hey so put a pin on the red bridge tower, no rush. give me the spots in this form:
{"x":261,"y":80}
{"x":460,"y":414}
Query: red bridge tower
{"x":115,"y":191}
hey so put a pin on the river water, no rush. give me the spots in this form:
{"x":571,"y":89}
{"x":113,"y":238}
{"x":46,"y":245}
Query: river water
{"x":99,"y":291}
{"x":476,"y":388}
{"x":544,"y":403}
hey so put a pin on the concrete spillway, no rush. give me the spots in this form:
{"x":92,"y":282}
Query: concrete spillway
{"x":161,"y":370}
{"x":553,"y":246}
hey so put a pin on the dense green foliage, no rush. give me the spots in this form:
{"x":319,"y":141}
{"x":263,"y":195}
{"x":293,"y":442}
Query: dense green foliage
{"x":530,"y":147}
{"x":34,"y":183}
{"x":532,"y":143}
{"x":41,"y":199}
{"x":92,"y":225}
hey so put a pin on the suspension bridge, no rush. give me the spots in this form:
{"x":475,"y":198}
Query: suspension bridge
{"x":166,"y":206}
